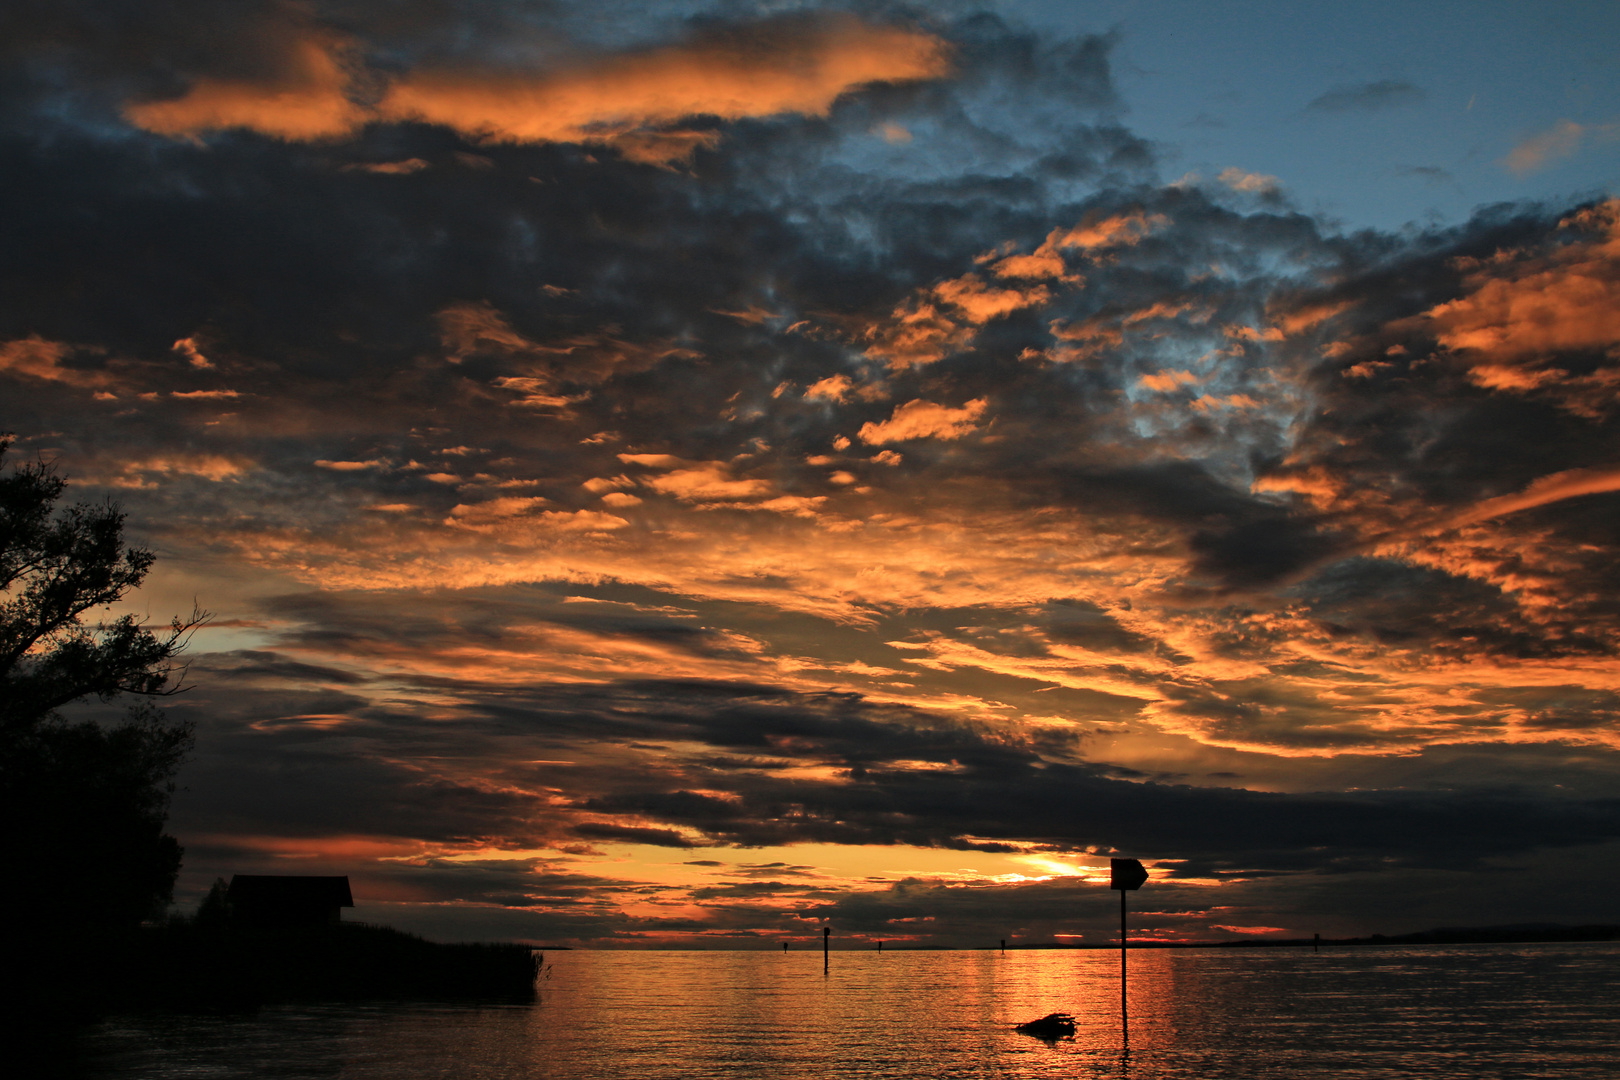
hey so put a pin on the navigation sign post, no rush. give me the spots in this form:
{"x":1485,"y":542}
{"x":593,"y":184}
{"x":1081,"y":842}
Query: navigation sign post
{"x":1125,"y":875}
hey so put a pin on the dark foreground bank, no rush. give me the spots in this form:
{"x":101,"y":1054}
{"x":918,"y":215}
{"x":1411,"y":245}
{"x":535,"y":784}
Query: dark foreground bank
{"x":189,"y":967}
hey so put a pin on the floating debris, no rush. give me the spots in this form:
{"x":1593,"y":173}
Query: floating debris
{"x":1049,"y":1028}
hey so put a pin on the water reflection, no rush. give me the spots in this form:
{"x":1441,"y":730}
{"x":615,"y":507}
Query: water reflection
{"x":1460,"y":1011}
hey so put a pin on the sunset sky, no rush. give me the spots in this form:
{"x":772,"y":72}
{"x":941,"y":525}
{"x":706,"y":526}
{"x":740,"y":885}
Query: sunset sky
{"x":684,"y":473}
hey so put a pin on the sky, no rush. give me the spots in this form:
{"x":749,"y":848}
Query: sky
{"x":685,"y":475}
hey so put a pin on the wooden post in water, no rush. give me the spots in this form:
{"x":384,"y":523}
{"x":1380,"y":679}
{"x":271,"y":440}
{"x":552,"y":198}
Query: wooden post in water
{"x":1124,"y":875}
{"x":1316,"y":942}
{"x":880,"y":946}
{"x":1003,"y":946}
{"x":826,"y":943}
{"x":1124,"y":1009}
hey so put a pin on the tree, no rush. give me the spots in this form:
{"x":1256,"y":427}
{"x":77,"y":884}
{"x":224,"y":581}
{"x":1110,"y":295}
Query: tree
{"x":82,"y":804}
{"x":54,"y":567}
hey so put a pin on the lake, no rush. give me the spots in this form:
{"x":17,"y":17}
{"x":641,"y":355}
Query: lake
{"x":1518,"y":1011}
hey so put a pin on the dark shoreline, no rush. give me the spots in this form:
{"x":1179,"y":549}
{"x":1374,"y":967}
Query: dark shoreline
{"x":1481,"y":935}
{"x":190,"y":968}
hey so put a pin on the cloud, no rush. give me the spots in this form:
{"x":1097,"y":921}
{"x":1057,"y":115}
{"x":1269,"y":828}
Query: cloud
{"x":306,"y":97}
{"x":980,"y":303}
{"x":150,"y":471}
{"x":1248,"y":182}
{"x":1368,"y":97}
{"x":1430,"y":174}
{"x":924,"y":420}
{"x":1523,"y":309}
{"x":791,"y":65}
{"x":697,"y":481}
{"x":317,"y":89}
{"x":943,"y":319}
{"x":390,"y":168}
{"x":1168,"y":381}
{"x":188,"y":348}
{"x":1562,"y":140}
{"x":834,"y":388}
{"x":1549,"y":489}
{"x":1047,"y":262}
{"x":35,"y":358}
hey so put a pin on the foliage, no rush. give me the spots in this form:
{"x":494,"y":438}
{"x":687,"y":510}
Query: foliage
{"x":82,"y":805}
{"x":54,"y":567}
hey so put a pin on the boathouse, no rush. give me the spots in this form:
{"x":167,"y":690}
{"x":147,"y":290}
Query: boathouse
{"x":286,"y":901}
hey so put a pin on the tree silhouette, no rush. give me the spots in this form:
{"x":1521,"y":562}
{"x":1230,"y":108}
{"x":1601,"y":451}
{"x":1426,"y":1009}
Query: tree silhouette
{"x":82,"y":805}
{"x":54,"y":567}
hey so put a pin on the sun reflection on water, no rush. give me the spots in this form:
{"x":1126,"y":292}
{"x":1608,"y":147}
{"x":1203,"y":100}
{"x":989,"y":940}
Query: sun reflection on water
{"x":1341,"y":1013}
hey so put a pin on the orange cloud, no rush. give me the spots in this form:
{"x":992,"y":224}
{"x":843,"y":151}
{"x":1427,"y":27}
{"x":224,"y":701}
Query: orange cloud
{"x":214,"y":467}
{"x":1094,"y":334}
{"x":1549,"y":489}
{"x":306,"y":99}
{"x":479,"y":329}
{"x":943,"y":318}
{"x":1165,"y":309}
{"x":1314,"y":482}
{"x":1560,"y":141}
{"x":1043,"y":262}
{"x":465,"y":329}
{"x":1046,"y":261}
{"x":702,"y":481}
{"x":33,"y":357}
{"x":833,"y":388}
{"x":188,"y":348}
{"x":520,"y":515}
{"x":629,"y":100}
{"x":919,"y":334}
{"x":1524,"y":308}
{"x":923,"y":420}
{"x":1166,"y":381}
{"x":1231,"y":401}
{"x":1250,"y":333}
{"x":389,"y":168}
{"x":980,"y":303}
{"x":1564,"y":308}
{"x":1304,"y":318}
{"x":707,"y":483}
{"x":788,"y":67}
{"x":1569,"y":301}
{"x":1117,"y":231}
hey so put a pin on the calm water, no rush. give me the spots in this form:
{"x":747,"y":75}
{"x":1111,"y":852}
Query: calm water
{"x":1459,"y":1011}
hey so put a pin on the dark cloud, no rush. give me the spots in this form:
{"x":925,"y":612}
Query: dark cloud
{"x":1367,"y":97}
{"x":1431,"y":174}
{"x":897,"y":776}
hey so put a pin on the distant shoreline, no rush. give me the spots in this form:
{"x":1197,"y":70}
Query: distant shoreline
{"x":1482,"y":935}
{"x":1532,"y":934}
